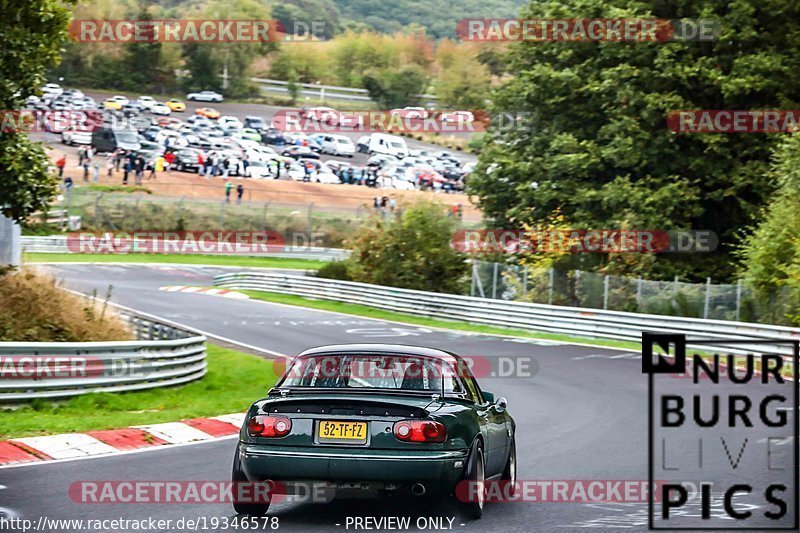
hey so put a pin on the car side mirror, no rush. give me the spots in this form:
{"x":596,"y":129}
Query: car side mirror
{"x":488,"y":396}
{"x":501,"y":404}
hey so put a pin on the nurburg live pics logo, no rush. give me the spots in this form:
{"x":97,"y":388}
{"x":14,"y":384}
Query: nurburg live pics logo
{"x":725,"y":443}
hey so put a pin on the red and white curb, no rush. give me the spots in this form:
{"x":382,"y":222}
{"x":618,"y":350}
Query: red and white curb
{"x":106,"y":442}
{"x":205,"y":290}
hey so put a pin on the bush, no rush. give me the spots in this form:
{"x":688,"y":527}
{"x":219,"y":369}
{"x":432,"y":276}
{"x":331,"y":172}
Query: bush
{"x":411,"y":251}
{"x":335,"y":270}
{"x":35,"y":308}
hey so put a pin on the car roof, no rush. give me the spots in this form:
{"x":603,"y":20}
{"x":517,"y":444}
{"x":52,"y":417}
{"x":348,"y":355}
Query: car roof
{"x":395,"y":349}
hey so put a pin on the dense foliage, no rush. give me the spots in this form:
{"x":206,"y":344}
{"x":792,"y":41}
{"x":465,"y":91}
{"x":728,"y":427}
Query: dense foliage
{"x":771,"y":254}
{"x":598,"y":149}
{"x":411,"y":250}
{"x":33,"y":33}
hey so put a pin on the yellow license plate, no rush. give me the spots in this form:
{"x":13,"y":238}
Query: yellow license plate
{"x":336,"y":431}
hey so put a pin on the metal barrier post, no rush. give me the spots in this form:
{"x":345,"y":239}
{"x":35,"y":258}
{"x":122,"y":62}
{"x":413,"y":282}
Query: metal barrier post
{"x":605,"y":292}
{"x":738,"y":298}
{"x":494,"y":281}
{"x":550,"y":289}
{"x":708,"y":298}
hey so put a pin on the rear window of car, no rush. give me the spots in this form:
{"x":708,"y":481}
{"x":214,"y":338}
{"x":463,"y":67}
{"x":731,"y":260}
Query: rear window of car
{"x":364,"y":371}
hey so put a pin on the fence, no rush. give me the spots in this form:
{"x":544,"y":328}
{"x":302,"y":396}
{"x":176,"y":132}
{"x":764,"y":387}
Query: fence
{"x":575,"y":288}
{"x":323,"y":92}
{"x":594,"y":323}
{"x":163,"y":355}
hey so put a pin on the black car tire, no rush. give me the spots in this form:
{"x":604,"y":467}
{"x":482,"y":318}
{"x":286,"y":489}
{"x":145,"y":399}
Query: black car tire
{"x":476,"y":473}
{"x":510,"y":471}
{"x":237,"y":475}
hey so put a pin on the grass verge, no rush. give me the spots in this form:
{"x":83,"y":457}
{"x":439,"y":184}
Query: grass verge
{"x":221,"y":260}
{"x":234,"y":380}
{"x":371,"y":312}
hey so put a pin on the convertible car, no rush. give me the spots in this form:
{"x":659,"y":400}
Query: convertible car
{"x":386,"y":418}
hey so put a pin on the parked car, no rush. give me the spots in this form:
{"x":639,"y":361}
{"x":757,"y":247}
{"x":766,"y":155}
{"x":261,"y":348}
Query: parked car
{"x":146,"y":102}
{"x":259,"y":169}
{"x":207,"y":112}
{"x":111,"y":104}
{"x":175,"y":105}
{"x":186,"y":160}
{"x":339,"y":145}
{"x":296,"y":152}
{"x":109,"y":139}
{"x":421,"y":404}
{"x":52,"y":89}
{"x":160,"y":109}
{"x":382,"y":143}
{"x":272,"y":136}
{"x":204,"y":96}
{"x":257,"y":123}
{"x":73,"y":137}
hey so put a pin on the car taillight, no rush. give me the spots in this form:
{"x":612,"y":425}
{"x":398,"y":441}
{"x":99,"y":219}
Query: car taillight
{"x":420,"y":431}
{"x":269,"y":426}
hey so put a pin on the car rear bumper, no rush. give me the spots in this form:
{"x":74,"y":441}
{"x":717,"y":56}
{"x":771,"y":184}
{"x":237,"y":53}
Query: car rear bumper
{"x":338,"y":464}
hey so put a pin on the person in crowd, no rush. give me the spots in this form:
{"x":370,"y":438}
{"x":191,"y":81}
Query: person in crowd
{"x":169,"y":160}
{"x":277,"y":169}
{"x":67,"y":183}
{"x":201,"y":164}
{"x":245,"y":164}
{"x":226,"y":167}
{"x":228,"y":187}
{"x":139,"y":167}
{"x":307,"y":172}
{"x":392,"y":203}
{"x":239,"y":193}
{"x":376,"y":203}
{"x":112,"y":162}
{"x":86,"y":163}
{"x":81,"y":155}
{"x":350,"y":175}
{"x":60,"y":164}
{"x":127,"y":166}
{"x":95,"y":170}
{"x":158,"y":166}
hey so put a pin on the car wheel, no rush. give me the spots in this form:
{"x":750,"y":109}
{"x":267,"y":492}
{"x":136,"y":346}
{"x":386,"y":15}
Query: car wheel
{"x":509,"y":476}
{"x":476,"y":476}
{"x":237,"y":475}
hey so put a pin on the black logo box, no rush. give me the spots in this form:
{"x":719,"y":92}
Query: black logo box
{"x":675,"y":345}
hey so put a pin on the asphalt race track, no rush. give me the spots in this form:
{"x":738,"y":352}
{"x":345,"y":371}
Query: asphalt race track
{"x":581,"y":415}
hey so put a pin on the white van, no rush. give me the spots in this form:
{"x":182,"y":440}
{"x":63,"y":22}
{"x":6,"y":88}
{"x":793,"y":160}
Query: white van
{"x":381,"y":143}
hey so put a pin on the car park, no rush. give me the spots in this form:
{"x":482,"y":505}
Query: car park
{"x":272,"y":136}
{"x":296,"y":152}
{"x":108,"y":140}
{"x":146,"y":102}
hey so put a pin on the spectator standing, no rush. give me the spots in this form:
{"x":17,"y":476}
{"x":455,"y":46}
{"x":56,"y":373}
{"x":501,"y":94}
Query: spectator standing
{"x":245,"y":164}
{"x":86,"y":163}
{"x":277,"y":169}
{"x":201,"y":164}
{"x":113,"y":160}
{"x":127,"y":166}
{"x":95,"y":170}
{"x":228,"y":187}
{"x":81,"y":155}
{"x":60,"y":164}
{"x":226,"y":164}
{"x":140,"y":165}
{"x":239,"y":193}
{"x":169,"y":159}
{"x":158,"y":166}
{"x":118,"y":154}
{"x":392,"y":203}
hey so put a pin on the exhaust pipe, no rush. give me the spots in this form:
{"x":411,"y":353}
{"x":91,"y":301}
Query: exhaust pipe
{"x":418,"y":489}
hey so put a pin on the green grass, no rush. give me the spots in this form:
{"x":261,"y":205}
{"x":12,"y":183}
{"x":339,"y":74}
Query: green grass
{"x":116,"y":188}
{"x":188,"y":259}
{"x":371,"y":312}
{"x":234,"y":380}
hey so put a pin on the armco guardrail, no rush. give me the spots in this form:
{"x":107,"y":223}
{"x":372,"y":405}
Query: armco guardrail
{"x":58,"y":244}
{"x":582,"y":322}
{"x":331,"y":92}
{"x":165,"y":355}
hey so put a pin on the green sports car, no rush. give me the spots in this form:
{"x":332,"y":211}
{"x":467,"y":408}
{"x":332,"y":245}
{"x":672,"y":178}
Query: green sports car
{"x":387,"y":418}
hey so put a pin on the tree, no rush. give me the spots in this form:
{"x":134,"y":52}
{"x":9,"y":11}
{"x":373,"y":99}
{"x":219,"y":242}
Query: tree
{"x":599,"y":148}
{"x":34,"y":33}
{"x":411,"y":251}
{"x":396,"y":88}
{"x":771,"y":254}
{"x":203,"y":66}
